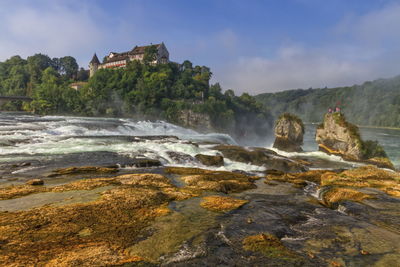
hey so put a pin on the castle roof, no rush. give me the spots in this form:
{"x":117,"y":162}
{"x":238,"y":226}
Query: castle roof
{"x":137,"y":50}
{"x":140,"y":49}
{"x":95,"y":59}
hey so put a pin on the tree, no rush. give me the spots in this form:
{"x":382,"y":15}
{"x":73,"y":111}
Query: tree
{"x":150,"y":54}
{"x":68,"y":67}
{"x":36,"y":65}
{"x":82,"y":75}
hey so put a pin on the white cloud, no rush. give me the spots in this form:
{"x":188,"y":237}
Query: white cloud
{"x":361,"y":48}
{"x":57,"y":30}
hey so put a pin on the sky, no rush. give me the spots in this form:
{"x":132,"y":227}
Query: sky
{"x":253,"y":46}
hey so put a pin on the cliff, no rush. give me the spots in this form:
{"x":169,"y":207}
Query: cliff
{"x":289,"y":131}
{"x":339,"y":137}
{"x":194,"y":120}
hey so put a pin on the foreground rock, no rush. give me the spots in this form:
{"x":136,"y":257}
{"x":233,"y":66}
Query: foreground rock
{"x":339,"y":137}
{"x":289,"y":131}
{"x":344,"y":185}
{"x":218,"y":181}
{"x":170,"y":218}
{"x":92,"y":233}
{"x":261,"y":157}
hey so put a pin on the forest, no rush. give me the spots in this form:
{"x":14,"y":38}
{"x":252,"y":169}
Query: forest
{"x":141,"y":90}
{"x":374,"y":103}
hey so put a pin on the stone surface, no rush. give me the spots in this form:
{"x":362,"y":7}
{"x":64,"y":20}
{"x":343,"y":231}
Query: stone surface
{"x":207,"y":160}
{"x":260,"y":157}
{"x":35,"y":182}
{"x":218,"y":203}
{"x":195,"y":120}
{"x":289,"y":131}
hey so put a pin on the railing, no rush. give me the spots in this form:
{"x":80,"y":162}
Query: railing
{"x":11,"y":98}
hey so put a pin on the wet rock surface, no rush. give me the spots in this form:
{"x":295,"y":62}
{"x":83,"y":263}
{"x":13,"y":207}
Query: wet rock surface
{"x":260,"y":157}
{"x":208,"y":160}
{"x":169,"y":217}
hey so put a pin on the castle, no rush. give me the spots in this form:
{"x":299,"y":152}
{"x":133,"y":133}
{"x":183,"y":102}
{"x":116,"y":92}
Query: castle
{"x":120,"y":60}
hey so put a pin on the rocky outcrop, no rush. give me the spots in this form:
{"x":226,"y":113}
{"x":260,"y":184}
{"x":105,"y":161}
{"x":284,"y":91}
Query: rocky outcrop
{"x":338,"y":137}
{"x":198,"y":121}
{"x":289,"y":131}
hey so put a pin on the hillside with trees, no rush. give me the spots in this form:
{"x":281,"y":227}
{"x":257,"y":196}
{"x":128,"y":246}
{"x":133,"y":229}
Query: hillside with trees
{"x":375,"y":103}
{"x":142,"y":90}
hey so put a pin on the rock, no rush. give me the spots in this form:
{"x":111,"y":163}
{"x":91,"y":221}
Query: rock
{"x":35,"y":182}
{"x":268,"y":245}
{"x":180,"y":158}
{"x":83,"y":170}
{"x":338,"y":194}
{"x":338,"y":137}
{"x":289,"y":131}
{"x":207,"y":160}
{"x":218,"y":203}
{"x":344,"y":184}
{"x":218,"y":181}
{"x":195,"y":120}
{"x":260,"y":157}
{"x":145,"y":163}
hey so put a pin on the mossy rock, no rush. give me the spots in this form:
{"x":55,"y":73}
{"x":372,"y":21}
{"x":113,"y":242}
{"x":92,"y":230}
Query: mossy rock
{"x":270,"y":246}
{"x":83,"y":170}
{"x":219,"y":203}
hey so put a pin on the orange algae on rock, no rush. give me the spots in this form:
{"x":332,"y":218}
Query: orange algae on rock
{"x":366,"y":176}
{"x":83,"y":170}
{"x":338,"y":194}
{"x":268,"y":245}
{"x":219,"y":203}
{"x":90,"y":233}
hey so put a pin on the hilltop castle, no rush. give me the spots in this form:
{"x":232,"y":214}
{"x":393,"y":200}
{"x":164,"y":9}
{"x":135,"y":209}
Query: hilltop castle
{"x":120,"y":60}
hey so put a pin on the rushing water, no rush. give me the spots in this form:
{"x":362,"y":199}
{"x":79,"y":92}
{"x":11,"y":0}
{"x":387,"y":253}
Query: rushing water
{"x":27,"y":138}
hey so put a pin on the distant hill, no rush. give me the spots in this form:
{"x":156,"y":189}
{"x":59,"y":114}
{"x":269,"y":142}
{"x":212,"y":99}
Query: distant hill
{"x":375,"y":103}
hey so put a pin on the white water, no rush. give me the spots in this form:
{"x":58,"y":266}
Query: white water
{"x":28,"y":137}
{"x":25,"y":137}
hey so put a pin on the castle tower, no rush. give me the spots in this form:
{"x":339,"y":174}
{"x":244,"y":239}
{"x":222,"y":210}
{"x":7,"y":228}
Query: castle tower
{"x":94,"y":65}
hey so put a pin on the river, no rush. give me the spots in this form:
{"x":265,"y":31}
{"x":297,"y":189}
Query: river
{"x":61,"y":140}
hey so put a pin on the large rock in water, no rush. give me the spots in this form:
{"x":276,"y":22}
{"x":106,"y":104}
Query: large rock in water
{"x":289,"y":131}
{"x":339,"y":137}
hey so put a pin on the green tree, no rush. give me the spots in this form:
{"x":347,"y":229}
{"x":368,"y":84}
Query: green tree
{"x":150,"y":54}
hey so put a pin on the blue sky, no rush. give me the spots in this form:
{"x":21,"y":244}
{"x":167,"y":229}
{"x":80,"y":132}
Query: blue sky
{"x":252,"y":46}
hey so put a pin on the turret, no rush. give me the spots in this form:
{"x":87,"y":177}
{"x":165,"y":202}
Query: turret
{"x":94,"y":65}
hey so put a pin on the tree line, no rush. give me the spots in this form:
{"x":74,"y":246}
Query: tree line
{"x":374,"y":103}
{"x":141,"y":90}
